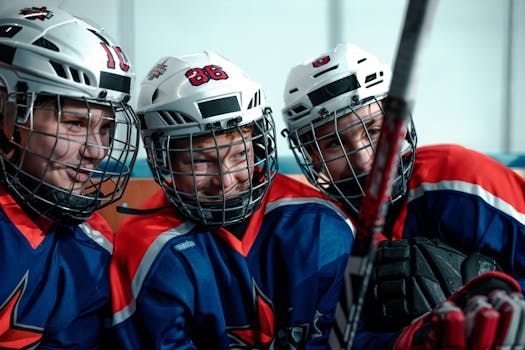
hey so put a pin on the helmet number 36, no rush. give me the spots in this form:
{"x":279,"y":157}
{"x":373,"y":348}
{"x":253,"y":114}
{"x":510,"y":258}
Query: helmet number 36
{"x":199,"y":76}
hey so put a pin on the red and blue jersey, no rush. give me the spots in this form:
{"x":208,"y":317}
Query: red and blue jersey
{"x":179,"y":285}
{"x":469,"y":201}
{"x":54,"y":290}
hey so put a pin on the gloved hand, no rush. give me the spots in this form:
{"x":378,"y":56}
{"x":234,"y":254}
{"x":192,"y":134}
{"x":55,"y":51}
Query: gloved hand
{"x":487,"y":313}
{"x":410,"y":277}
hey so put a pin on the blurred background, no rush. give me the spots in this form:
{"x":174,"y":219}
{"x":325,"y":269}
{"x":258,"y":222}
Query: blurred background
{"x":471,"y":86}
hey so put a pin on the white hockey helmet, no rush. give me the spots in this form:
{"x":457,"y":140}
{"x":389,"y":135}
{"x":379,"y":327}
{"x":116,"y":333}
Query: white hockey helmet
{"x":205,"y":94}
{"x":333,"y":82}
{"x":328,"y":87}
{"x":48,"y":53}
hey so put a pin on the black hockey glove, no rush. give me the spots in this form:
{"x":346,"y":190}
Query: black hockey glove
{"x":487,"y":313}
{"x":410,"y":277}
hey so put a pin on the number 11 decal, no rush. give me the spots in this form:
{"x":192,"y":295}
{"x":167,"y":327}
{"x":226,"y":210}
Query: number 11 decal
{"x":123,"y":60}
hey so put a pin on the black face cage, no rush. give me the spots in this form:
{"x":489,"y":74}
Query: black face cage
{"x":349,"y":190}
{"x":218,"y":209}
{"x":106,"y":182}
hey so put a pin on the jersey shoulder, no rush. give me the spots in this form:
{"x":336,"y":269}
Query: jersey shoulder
{"x":284,"y":186}
{"x":454,"y":162}
{"x":100,"y":224}
{"x":153,"y":223}
{"x":457,"y":168}
{"x":138,"y":232}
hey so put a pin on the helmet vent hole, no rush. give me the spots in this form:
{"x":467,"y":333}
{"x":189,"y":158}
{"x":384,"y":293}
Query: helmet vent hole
{"x":75,"y":75}
{"x":299,"y":109}
{"x":293,"y":90}
{"x":256,"y":100}
{"x":326,"y":71}
{"x":175,"y":118}
{"x":361,"y":60}
{"x":370,"y":77}
{"x":168,"y":117}
{"x":59,"y":69}
{"x":155,"y":95}
{"x":86,"y":79}
{"x":9,"y":31}
{"x":46,"y":44}
{"x":374,"y":83}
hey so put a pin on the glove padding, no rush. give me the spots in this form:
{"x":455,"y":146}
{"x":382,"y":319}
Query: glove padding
{"x":487,"y":313}
{"x":410,"y":277}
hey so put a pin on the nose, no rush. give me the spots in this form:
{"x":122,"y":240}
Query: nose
{"x":361,"y":156}
{"x":93,"y":147}
{"x":228,"y":178}
{"x":224,"y":178}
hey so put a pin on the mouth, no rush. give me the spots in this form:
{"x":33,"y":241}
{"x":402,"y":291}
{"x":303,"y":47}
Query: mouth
{"x":78,"y":177}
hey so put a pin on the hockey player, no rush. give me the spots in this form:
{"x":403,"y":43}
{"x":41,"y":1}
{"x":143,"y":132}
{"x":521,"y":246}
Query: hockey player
{"x":466,"y":209}
{"x":68,"y":141}
{"x":237,"y":256}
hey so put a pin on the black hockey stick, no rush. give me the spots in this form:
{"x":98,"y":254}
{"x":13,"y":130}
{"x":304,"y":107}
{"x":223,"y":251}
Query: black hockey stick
{"x":371,"y":219}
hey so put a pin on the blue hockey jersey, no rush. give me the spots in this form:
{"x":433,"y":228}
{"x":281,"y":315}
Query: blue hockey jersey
{"x":176,"y":285}
{"x":467,"y":200}
{"x":54,"y":290}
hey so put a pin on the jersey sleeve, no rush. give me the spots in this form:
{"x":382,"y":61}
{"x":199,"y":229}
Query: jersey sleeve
{"x":472,"y":203}
{"x":161,"y":309}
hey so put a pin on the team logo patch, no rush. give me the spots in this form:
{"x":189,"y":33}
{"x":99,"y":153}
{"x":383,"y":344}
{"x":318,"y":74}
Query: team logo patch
{"x":157,"y":71}
{"x":33,"y":13}
{"x":184,"y":245}
{"x":14,"y":335}
{"x":259,"y":335}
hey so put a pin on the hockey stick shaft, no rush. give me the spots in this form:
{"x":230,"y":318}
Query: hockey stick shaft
{"x":372,"y":214}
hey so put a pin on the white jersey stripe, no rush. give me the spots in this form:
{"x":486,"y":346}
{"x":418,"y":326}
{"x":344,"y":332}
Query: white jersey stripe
{"x":96,"y":236}
{"x":472,"y":189}
{"x":291,"y":201}
{"x":145,"y":266}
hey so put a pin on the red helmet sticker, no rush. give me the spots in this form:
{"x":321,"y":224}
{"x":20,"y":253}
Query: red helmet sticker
{"x":123,"y":60}
{"x":321,"y":61}
{"x":32,"y":13}
{"x":198,"y":76}
{"x":157,"y":71}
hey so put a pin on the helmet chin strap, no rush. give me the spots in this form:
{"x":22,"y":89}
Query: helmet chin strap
{"x":74,"y":202}
{"x":38,"y":199}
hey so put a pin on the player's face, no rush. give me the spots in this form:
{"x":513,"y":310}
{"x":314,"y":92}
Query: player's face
{"x":214,"y":168}
{"x":349,"y":142}
{"x":64,"y":149}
